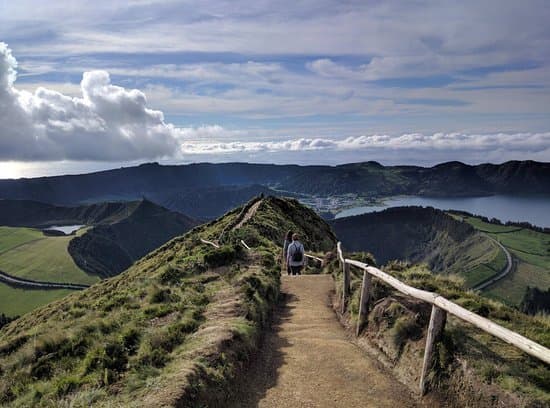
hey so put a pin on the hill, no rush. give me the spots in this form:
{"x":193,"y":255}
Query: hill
{"x":423,"y":235}
{"x":201,"y":190}
{"x":171,"y":330}
{"x":115,"y":235}
{"x":109,"y":248}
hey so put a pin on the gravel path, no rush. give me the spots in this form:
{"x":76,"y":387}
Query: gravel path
{"x":306,"y":359}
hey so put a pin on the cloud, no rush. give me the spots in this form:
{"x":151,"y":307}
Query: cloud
{"x":107,"y":122}
{"x":455,"y":145}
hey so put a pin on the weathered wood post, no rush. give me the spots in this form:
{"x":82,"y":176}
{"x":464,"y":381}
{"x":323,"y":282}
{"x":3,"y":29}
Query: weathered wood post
{"x":435,"y":329}
{"x":364,"y":303}
{"x":346,"y":288}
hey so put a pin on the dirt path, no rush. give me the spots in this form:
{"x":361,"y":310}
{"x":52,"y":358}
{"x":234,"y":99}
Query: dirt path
{"x":505,"y":271}
{"x":249,"y":214}
{"x":307,"y":360}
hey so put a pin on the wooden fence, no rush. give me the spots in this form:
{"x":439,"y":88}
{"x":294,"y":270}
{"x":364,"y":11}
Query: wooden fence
{"x":440,"y":308}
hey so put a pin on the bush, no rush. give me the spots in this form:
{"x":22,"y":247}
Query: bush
{"x":162,"y":295}
{"x":66,"y":385}
{"x":224,"y":255}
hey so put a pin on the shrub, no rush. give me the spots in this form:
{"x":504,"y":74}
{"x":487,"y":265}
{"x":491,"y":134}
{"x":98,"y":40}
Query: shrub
{"x":130,"y":339}
{"x":224,"y":255}
{"x":162,"y":295}
{"x":405,"y":327}
{"x":66,"y":385}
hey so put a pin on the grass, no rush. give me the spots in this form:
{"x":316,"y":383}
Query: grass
{"x":531,"y":249}
{"x":178,"y":323}
{"x":29,"y":254}
{"x":492,"y":360}
{"x":16,"y":302}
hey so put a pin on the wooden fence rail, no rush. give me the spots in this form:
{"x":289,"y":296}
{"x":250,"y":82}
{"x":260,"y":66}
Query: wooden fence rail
{"x":440,"y":308}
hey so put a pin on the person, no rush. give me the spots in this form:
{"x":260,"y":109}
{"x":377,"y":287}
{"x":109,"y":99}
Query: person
{"x":288,"y":240}
{"x":295,"y":255}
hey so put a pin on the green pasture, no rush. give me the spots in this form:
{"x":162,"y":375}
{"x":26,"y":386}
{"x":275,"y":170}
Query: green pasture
{"x":530,"y":249}
{"x":16,"y":302}
{"x":27,"y":253}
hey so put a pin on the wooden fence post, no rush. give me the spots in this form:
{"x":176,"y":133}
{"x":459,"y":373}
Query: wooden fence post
{"x":345,"y":289}
{"x":435,"y":329}
{"x":364,"y":303}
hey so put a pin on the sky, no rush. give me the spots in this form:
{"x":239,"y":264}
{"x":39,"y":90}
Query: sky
{"x":86,"y":86}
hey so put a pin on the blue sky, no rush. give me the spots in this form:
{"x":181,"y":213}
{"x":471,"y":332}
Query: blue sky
{"x":286,"y":81}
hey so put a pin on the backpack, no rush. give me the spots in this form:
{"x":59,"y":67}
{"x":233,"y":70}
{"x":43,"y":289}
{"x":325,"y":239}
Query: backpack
{"x":298,"y":255}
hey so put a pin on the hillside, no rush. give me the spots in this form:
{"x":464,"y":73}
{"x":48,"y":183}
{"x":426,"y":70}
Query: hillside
{"x":170,"y":330}
{"x":530,"y":250}
{"x":201,"y":190}
{"x":418,"y":234}
{"x":109,"y":248}
{"x":28,"y":213}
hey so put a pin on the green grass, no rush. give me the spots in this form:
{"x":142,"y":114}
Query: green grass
{"x":531,"y":249}
{"x":180,"y":321}
{"x":29,"y":254}
{"x":13,"y":237}
{"x":493,"y":360}
{"x":16,"y":302}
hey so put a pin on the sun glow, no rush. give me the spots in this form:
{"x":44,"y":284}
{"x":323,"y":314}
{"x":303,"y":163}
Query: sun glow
{"x":10,"y":170}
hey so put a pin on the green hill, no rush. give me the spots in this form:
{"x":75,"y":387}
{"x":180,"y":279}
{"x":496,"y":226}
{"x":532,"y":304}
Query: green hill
{"x":109,"y":248}
{"x":180,"y":324}
{"x":171,"y":329}
{"x":423,"y":235}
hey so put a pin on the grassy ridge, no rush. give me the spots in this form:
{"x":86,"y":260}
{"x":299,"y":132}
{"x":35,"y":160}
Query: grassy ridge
{"x":172,"y":329}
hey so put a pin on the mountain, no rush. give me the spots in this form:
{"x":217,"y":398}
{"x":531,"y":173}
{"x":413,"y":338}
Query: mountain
{"x":203,"y":190}
{"x":423,"y":235}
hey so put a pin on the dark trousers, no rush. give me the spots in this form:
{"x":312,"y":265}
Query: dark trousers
{"x":296,"y":270}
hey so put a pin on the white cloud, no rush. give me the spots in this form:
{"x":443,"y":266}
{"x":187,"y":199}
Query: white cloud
{"x":106,"y":122}
{"x":451,"y":143}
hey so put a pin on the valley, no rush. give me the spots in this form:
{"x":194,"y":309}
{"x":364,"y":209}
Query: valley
{"x":117,"y":234}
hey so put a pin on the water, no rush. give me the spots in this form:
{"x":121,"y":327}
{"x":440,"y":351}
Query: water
{"x":535,"y":210}
{"x":67,"y":229}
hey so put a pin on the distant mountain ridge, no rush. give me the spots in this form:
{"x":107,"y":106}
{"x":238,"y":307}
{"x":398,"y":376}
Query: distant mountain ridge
{"x":207,"y":184}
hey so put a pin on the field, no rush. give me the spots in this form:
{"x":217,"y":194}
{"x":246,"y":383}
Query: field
{"x":16,"y":302}
{"x":492,"y":262}
{"x":28,"y":254}
{"x":531,"y":252}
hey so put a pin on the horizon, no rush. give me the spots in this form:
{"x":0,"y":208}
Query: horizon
{"x":85,"y":87}
{"x":145,"y":163}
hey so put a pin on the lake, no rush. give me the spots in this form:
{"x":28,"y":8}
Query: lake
{"x":67,"y":229}
{"x":535,"y":210}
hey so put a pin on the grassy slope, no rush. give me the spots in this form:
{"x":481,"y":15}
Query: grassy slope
{"x":532,"y":251}
{"x":464,"y":347}
{"x":43,"y":258}
{"x":424,"y":235}
{"x":177,"y":323}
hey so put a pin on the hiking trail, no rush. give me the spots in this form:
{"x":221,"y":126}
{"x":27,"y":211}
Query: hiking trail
{"x":307,"y":360}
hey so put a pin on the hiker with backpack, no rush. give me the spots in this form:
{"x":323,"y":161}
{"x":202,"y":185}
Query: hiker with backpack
{"x":288,"y":240}
{"x":295,"y":256}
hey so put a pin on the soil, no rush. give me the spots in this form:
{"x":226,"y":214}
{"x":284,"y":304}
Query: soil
{"x":308,"y":360}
